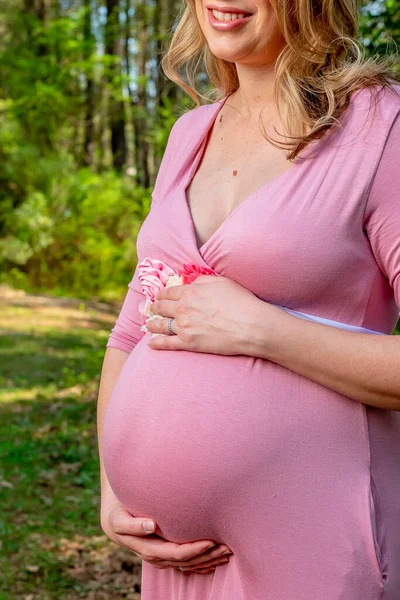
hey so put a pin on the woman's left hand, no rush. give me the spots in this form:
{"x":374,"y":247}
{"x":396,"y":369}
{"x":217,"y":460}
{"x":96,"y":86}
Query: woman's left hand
{"x":212,"y":314}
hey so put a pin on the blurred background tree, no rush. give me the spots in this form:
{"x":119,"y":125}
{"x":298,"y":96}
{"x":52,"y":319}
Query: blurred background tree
{"x":85,"y":113}
{"x":380,"y":26}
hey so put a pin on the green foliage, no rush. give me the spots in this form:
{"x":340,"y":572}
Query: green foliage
{"x":97,"y":221}
{"x":68,"y":222}
{"x":37,"y":68}
{"x":380,"y":26}
{"x":78,"y":234}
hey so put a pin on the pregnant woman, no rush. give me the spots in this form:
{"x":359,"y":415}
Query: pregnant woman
{"x":254,"y":419}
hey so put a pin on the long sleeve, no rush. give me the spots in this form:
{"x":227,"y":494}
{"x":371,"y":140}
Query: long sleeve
{"x":126,"y":332}
{"x":382,"y":213}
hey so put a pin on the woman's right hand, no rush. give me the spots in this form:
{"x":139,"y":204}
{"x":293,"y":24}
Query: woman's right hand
{"x":129,"y":532}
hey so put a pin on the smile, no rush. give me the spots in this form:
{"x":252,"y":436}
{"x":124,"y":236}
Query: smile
{"x":223,"y":20}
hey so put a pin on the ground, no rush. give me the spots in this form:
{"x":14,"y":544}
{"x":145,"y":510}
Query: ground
{"x":52,"y":546}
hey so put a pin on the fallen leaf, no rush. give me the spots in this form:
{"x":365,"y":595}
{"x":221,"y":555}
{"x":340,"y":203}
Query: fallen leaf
{"x":32,"y":568}
{"x":6,"y":484}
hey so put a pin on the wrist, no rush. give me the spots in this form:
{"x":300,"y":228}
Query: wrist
{"x":268,"y":328}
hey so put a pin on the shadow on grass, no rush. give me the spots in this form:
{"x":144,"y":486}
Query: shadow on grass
{"x":40,"y":359}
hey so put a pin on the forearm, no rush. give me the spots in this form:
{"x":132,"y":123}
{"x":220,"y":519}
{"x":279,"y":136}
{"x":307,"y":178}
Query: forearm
{"x":113,"y":362}
{"x":364,"y":367}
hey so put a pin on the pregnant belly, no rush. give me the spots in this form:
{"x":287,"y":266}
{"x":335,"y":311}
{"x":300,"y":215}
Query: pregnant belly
{"x":193,"y":439}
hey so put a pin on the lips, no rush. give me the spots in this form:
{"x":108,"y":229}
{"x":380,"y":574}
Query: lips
{"x":230,"y":9}
{"x":231,"y":24}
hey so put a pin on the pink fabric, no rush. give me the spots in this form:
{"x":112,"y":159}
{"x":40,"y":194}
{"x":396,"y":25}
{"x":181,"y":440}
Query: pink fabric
{"x":300,"y":481}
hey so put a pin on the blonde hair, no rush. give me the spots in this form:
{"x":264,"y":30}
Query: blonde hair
{"x":319,"y":68}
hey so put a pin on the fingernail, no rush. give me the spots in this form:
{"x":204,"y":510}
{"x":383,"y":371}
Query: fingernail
{"x":148,"y":525}
{"x":226,"y":552}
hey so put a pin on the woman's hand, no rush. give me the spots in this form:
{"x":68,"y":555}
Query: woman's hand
{"x":212,"y":314}
{"x":129,"y":532}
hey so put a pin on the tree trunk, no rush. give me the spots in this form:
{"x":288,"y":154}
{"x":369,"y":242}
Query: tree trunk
{"x":141,"y":124}
{"x":116,"y":102}
{"x":89,"y":110}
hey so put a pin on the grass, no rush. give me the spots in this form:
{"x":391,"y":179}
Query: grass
{"x":52,"y":546}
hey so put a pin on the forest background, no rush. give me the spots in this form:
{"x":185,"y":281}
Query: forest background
{"x":85,"y":113}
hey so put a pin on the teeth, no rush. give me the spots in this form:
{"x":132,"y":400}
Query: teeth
{"x":220,"y":16}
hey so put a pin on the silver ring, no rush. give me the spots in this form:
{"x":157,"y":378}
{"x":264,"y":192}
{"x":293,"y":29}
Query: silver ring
{"x":169,"y":326}
{"x":181,"y":568}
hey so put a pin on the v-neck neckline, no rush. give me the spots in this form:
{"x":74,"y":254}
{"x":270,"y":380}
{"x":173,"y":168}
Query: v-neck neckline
{"x":198,"y":154}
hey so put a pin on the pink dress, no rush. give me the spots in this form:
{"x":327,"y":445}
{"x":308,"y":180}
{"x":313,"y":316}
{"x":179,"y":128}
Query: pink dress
{"x":300,"y":481}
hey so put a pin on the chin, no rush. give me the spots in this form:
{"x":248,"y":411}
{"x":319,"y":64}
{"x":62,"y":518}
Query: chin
{"x":227,"y":52}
